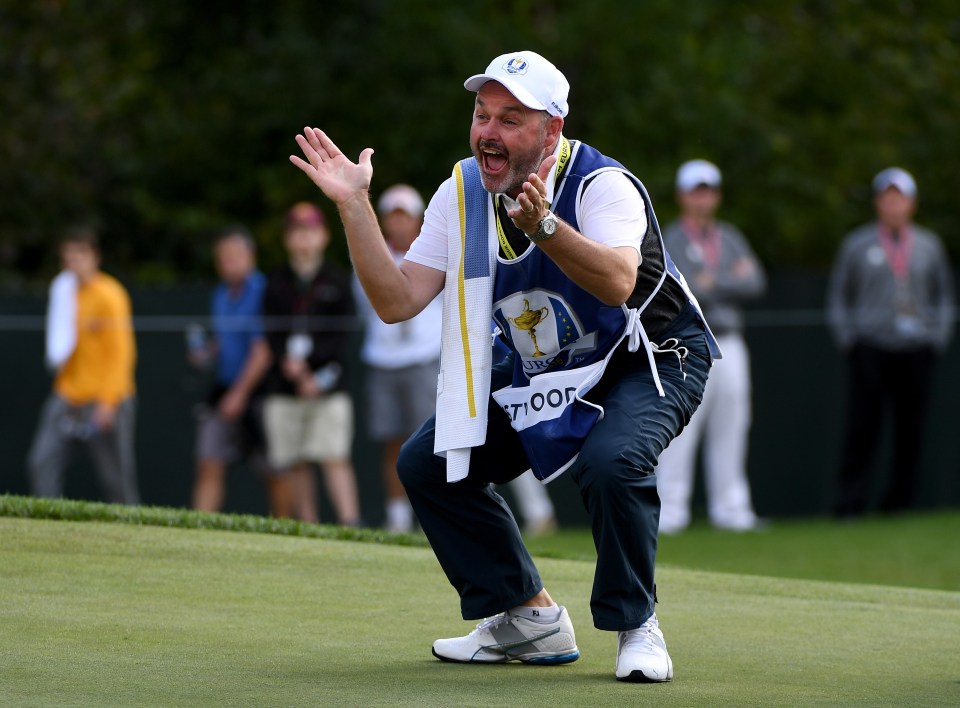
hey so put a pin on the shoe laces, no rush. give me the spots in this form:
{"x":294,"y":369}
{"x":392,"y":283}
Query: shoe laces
{"x":642,"y":638}
{"x":494,"y":621}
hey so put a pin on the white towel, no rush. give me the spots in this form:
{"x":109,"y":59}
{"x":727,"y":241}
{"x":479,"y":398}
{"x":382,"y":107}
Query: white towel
{"x":463,"y":389}
{"x":61,"y":325}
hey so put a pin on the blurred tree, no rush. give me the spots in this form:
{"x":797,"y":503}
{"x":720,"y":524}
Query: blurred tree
{"x":162,"y":121}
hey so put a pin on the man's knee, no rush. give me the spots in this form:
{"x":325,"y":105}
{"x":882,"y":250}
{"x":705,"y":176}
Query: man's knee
{"x":609,"y":471}
{"x":416,"y":461}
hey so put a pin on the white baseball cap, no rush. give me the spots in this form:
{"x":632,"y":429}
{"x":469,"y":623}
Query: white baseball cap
{"x":401,"y":196}
{"x":694,"y":173}
{"x":895,"y":177}
{"x":533,"y":80}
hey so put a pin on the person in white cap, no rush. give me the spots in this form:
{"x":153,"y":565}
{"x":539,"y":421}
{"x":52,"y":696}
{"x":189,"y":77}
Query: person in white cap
{"x":723,"y":272}
{"x":401,"y":359}
{"x":890,"y":307}
{"x":609,"y":357}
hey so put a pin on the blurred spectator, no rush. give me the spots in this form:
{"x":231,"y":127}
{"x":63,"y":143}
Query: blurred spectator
{"x":229,"y":428}
{"x":536,"y":509}
{"x":91,"y":346}
{"x":402,"y":359}
{"x":722,"y":272}
{"x":890,"y":304}
{"x":308,"y":414}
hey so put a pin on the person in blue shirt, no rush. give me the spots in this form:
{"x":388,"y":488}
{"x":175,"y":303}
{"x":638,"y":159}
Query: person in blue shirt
{"x":227,"y":431}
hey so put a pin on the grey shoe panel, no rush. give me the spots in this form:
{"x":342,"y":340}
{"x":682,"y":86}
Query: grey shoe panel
{"x":510,"y":637}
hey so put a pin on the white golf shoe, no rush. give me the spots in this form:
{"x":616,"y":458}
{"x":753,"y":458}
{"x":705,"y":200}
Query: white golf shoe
{"x":642,"y":654}
{"x":507,"y":637}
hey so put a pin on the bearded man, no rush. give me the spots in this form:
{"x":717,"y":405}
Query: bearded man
{"x":609,"y":356}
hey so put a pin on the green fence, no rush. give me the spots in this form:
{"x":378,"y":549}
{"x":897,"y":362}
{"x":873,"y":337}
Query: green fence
{"x":797,"y":385}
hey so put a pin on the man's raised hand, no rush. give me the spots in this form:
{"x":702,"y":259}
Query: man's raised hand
{"x":532,"y":200}
{"x":329,"y":168}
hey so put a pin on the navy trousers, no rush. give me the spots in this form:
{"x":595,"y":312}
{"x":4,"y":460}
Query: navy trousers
{"x":475,"y":536}
{"x":878,"y":380}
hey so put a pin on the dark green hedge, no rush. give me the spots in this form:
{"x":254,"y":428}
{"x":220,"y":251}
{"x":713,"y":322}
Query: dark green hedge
{"x":163,"y":120}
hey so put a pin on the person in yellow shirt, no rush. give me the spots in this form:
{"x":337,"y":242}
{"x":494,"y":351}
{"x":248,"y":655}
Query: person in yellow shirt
{"x":93,"y":400}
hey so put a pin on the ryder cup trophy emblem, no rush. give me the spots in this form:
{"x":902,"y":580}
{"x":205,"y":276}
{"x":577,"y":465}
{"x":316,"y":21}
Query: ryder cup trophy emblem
{"x":528,"y":320}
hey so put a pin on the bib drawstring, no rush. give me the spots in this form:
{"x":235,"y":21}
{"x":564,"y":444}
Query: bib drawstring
{"x":637,"y":334}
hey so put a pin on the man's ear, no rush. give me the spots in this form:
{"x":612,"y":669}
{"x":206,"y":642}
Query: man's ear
{"x":554,"y":128}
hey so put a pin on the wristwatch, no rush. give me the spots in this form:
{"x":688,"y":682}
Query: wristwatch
{"x":548,"y":227}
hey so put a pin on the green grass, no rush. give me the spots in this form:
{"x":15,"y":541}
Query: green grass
{"x":111,"y":614}
{"x":915,"y":550}
{"x":145,"y":613}
{"x":911,"y":550}
{"x":77,"y":510}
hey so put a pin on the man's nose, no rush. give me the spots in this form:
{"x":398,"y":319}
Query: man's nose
{"x":489,"y":131}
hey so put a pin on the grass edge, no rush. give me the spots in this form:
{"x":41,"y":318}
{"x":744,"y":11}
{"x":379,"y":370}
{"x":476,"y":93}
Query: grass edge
{"x":59,"y":509}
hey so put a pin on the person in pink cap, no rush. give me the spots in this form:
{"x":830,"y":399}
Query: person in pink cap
{"x":308,"y":313}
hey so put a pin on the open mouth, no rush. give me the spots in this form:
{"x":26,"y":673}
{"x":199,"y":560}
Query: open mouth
{"x":494,"y":159}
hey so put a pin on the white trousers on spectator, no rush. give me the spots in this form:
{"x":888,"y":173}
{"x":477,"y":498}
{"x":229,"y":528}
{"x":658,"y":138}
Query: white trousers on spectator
{"x":722,"y":423}
{"x":532,"y":498}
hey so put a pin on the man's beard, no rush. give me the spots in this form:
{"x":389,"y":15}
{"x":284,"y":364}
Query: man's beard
{"x":520,"y":167}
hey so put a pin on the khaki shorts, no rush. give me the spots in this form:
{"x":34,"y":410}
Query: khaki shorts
{"x":307,"y":429}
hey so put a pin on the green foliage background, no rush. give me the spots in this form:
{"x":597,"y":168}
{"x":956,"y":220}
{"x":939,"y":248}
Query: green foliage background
{"x":164,"y":120}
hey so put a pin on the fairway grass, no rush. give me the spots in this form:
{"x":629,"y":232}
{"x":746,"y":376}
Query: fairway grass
{"x":918,"y":550}
{"x":97,"y":614}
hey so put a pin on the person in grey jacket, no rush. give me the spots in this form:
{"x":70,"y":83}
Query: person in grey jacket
{"x":722,"y":272}
{"x":891,"y":309}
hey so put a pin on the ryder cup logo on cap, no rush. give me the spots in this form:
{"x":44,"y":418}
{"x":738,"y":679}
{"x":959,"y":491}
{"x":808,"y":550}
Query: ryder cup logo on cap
{"x":517,"y":65}
{"x":533,"y":80}
{"x":696,"y":173}
{"x":895,"y":177}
